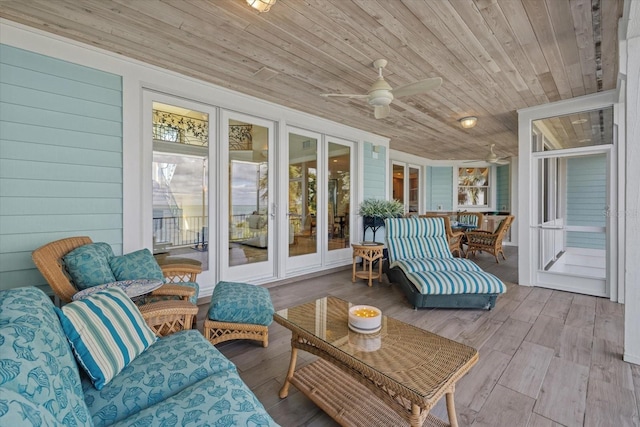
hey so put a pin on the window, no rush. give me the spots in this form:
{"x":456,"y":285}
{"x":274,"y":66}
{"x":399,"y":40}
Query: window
{"x":473,"y":187}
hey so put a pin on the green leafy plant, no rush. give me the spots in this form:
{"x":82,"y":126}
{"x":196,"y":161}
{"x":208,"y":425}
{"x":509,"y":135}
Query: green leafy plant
{"x":378,"y":208}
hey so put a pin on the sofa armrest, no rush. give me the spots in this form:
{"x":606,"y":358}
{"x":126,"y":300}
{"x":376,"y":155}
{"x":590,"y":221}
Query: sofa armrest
{"x":167,"y":317}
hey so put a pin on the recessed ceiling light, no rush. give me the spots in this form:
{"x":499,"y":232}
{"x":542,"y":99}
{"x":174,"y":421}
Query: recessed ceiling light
{"x":585,"y":140}
{"x":468,"y":122}
{"x":578,"y":121}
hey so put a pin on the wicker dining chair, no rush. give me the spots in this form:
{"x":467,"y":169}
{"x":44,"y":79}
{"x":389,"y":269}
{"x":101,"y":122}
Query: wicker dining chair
{"x":488,"y":241}
{"x":163,"y":317}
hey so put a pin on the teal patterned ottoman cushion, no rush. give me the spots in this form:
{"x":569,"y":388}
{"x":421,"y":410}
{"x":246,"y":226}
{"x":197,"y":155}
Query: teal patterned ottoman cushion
{"x":88,"y":265}
{"x":169,"y":366}
{"x":219,"y":400}
{"x":35,"y":358}
{"x":106,"y":331}
{"x":16,"y":410}
{"x":241,"y":303}
{"x":136,"y":265}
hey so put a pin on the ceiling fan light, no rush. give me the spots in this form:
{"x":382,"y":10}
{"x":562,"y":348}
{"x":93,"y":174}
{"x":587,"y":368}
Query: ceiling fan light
{"x":261,"y":5}
{"x":468,"y":122}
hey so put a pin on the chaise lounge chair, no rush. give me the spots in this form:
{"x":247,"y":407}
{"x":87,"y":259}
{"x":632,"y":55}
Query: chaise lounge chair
{"x":422,"y":264}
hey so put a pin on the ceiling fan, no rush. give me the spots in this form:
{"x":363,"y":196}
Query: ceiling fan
{"x":381,"y":94}
{"x":493,"y":158}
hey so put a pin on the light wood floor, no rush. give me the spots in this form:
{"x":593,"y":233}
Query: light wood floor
{"x":547,"y":358}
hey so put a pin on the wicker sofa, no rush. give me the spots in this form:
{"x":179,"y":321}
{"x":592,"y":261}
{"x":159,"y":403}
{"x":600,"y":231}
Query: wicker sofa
{"x":421,"y":263}
{"x":179,"y":380}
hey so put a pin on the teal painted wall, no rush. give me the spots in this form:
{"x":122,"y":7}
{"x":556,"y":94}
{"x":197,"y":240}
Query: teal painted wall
{"x":439,"y":188}
{"x":374,"y":172}
{"x":586,"y":200}
{"x":502,"y":188}
{"x":60,"y":158}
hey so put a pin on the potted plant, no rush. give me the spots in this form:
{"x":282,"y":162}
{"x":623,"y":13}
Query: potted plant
{"x":374,"y":211}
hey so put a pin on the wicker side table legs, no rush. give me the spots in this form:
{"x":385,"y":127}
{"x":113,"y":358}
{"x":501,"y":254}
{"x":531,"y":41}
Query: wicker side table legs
{"x":369,"y":254}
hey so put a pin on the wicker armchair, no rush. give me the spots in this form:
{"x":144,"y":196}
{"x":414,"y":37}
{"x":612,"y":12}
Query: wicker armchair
{"x":489,"y":241}
{"x":164,"y":317}
{"x":454,"y":237}
{"x":473,"y":218}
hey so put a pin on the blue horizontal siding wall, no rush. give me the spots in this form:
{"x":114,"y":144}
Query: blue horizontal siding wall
{"x":439,"y":188}
{"x":502,"y":188}
{"x":60,"y":158}
{"x":586,"y":200}
{"x":374,"y":172}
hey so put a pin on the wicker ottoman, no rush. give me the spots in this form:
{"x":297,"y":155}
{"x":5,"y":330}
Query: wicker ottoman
{"x":239,"y":311}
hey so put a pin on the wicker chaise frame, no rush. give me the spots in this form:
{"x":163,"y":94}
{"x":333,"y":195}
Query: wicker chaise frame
{"x":163,"y":317}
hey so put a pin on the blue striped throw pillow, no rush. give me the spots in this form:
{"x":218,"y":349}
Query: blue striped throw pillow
{"x":106,"y":332}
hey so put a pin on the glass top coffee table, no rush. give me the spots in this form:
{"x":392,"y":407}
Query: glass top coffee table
{"x":392,"y":377}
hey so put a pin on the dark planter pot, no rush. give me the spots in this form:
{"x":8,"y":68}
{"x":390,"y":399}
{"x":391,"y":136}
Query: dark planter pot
{"x":372,"y":221}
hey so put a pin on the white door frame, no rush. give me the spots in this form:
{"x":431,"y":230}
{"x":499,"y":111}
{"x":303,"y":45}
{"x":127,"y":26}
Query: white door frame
{"x":527,"y":267}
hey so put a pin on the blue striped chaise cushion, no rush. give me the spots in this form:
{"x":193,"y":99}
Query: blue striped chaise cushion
{"x":106,"y":332}
{"x":409,"y":238}
{"x":436,"y":264}
{"x":456,"y":282}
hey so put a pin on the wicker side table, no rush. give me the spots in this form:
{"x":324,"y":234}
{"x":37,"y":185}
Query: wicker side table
{"x":369,"y":252}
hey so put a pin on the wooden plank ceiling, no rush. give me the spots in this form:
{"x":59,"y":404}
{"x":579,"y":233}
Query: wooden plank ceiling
{"x":495,"y":56}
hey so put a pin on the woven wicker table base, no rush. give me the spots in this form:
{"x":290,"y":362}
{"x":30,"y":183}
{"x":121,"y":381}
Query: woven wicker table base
{"x":345,"y":400}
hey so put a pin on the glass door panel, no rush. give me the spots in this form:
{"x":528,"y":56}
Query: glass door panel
{"x":414,"y":189}
{"x":180,"y":176}
{"x":338,"y":199}
{"x":248,"y":215}
{"x":398,"y":182}
{"x":303,"y":172}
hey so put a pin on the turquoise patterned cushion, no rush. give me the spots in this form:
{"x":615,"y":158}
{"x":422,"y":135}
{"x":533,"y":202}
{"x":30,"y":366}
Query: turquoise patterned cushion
{"x":241,"y":303}
{"x":136,"y":265}
{"x":169,"y":366}
{"x":106,"y":332}
{"x":219,"y":400}
{"x":88,"y":265}
{"x":35,"y":358}
{"x":17,"y":410}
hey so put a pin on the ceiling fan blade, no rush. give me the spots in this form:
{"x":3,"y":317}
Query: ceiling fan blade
{"x":381,"y":111}
{"x":343,"y":95}
{"x":417,"y":87}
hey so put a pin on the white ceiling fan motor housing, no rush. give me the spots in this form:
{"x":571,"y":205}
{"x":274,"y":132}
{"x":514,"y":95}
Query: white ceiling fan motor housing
{"x":380,"y":93}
